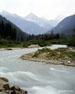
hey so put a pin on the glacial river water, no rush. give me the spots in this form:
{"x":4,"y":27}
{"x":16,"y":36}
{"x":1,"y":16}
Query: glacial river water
{"x":36,"y":77}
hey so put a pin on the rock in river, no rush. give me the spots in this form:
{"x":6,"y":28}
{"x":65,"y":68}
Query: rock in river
{"x":6,"y":89}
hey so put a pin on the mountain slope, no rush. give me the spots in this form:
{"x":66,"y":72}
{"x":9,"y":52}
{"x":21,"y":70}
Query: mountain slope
{"x":66,"y":26}
{"x":43,"y":22}
{"x":40,"y":21}
{"x":10,"y":31}
{"x":26,"y":26}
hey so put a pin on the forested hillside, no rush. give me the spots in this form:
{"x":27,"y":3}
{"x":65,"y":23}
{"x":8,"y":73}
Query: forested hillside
{"x":11,"y":32}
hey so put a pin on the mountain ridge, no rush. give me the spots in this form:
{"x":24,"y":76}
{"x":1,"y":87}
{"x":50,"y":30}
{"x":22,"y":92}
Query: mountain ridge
{"x":66,"y":26}
{"x":8,"y":29}
{"x":36,"y":26}
{"x":26,"y":26}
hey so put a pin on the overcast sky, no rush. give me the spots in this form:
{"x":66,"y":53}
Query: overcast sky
{"x":46,"y":8}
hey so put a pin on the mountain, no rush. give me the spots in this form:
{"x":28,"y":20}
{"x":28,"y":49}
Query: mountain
{"x":5,"y":13}
{"x":66,"y":26}
{"x":32,"y":24}
{"x":27,"y":26}
{"x":43,"y":22}
{"x":40,"y":21}
{"x":31,"y":17}
{"x":10,"y":31}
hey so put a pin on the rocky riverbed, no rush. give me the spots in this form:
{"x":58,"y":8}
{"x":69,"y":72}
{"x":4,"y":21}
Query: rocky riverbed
{"x":6,"y":89}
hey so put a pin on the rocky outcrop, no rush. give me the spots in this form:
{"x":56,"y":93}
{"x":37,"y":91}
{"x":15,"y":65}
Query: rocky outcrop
{"x":6,"y":89}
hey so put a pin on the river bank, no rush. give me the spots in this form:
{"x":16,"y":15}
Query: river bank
{"x":61,"y":56}
{"x":2,"y":49}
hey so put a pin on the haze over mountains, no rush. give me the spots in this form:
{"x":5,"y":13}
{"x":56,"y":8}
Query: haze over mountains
{"x":31,"y":24}
{"x":40,"y":21}
{"x":66,"y":26}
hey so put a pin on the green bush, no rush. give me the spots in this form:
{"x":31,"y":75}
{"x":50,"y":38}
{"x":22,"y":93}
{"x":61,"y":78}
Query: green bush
{"x":71,"y":42}
{"x":41,"y":43}
{"x":9,"y":43}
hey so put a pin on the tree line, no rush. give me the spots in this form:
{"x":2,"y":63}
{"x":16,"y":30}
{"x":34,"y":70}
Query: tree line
{"x":11,"y":32}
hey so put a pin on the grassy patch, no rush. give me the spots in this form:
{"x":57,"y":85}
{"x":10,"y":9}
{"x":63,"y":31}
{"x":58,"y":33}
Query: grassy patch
{"x":64,"y":53}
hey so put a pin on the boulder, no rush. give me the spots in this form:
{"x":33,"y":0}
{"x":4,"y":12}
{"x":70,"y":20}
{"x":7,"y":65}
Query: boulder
{"x":4,"y":84}
{"x":5,"y":88}
{"x":9,"y":49}
{"x":17,"y":90}
{"x":4,"y":79}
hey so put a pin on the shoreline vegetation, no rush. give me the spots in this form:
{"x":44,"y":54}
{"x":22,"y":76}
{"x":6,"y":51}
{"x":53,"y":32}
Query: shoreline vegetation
{"x":60,"y":56}
{"x":40,"y":40}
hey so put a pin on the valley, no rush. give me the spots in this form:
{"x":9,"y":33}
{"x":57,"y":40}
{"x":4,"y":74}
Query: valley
{"x":37,"y":54}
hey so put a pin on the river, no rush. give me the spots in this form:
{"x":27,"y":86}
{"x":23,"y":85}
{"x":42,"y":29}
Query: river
{"x":36,"y":77}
